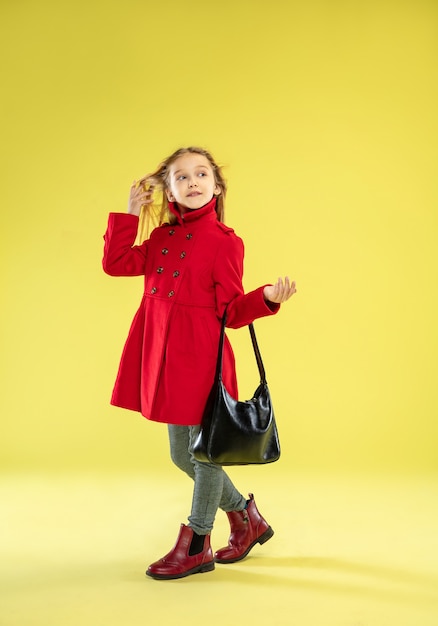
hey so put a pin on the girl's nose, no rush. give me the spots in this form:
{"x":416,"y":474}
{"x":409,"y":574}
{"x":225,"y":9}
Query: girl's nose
{"x":193,"y":182}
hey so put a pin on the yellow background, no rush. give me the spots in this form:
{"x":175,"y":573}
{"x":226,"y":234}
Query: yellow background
{"x":324,"y":114}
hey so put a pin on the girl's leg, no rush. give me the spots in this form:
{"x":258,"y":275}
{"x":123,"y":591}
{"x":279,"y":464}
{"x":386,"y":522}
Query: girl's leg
{"x":212,"y":489}
{"x":179,"y":439}
{"x":192,"y":552}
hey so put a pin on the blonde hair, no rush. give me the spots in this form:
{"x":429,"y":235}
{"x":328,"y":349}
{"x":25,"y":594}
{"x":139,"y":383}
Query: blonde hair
{"x":157,"y":213}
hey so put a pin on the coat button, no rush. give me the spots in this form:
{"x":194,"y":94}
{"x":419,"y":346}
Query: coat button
{"x":175,"y":274}
{"x":171,"y":293}
{"x":164,"y":251}
{"x":171,"y":232}
{"x":189,"y":236}
{"x":160,"y":270}
{"x":154,"y":290}
{"x":182,"y":255}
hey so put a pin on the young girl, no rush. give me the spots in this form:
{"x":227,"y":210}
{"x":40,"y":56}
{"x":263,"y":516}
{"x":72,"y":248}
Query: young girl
{"x":193,"y":267}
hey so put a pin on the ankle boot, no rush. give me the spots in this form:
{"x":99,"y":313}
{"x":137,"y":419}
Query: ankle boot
{"x":179,"y":562}
{"x":248,"y":527}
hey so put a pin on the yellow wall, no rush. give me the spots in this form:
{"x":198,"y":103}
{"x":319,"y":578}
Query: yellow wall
{"x":324,"y":114}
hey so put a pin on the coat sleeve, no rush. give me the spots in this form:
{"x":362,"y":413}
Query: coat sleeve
{"x":242,"y":309}
{"x":120,"y":256}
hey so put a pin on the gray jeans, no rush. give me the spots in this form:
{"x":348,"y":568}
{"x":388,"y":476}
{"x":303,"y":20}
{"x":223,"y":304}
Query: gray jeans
{"x":212,"y":489}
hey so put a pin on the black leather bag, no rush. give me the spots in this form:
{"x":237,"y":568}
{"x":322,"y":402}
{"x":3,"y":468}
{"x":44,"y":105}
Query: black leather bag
{"x":234,"y":432}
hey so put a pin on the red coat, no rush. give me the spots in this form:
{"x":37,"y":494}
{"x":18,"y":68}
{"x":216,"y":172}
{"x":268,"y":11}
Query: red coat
{"x":192,"y":270}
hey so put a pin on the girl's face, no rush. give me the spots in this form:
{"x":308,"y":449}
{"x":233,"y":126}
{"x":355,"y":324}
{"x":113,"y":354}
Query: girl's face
{"x":191,"y":182}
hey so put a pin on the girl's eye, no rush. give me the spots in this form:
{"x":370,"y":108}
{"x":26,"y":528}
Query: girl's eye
{"x":181,"y":177}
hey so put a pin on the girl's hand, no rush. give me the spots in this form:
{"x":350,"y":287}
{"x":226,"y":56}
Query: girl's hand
{"x":141,"y":193}
{"x":281,"y":291}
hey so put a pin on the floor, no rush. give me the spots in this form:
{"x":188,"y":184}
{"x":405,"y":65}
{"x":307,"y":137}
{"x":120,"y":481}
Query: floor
{"x":356,"y":551}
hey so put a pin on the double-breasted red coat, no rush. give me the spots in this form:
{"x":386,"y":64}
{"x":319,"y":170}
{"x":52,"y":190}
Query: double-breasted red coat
{"x":193,"y":271}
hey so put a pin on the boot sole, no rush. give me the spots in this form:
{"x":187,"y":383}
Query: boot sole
{"x":205,"y":567}
{"x":261,"y":540}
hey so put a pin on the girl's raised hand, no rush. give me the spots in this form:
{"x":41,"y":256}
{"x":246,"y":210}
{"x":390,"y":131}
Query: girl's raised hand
{"x":141,"y":193}
{"x":280,"y":291}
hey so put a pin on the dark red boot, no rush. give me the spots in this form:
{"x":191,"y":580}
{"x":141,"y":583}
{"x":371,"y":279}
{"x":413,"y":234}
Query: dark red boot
{"x":248,"y":527}
{"x":179,"y":563}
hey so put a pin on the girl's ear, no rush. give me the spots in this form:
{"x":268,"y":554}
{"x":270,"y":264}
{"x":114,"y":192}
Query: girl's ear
{"x":217,"y":191}
{"x":170,"y":195}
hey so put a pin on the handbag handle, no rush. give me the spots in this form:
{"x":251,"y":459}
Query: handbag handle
{"x":255,"y":346}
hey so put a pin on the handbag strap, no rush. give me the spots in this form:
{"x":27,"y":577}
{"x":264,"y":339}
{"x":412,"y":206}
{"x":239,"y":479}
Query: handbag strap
{"x":255,"y":346}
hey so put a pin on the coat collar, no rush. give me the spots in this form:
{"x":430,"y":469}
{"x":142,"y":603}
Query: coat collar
{"x":190,"y":217}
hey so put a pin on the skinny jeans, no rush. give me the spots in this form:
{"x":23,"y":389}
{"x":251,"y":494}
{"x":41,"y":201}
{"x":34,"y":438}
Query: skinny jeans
{"x":212,"y":487}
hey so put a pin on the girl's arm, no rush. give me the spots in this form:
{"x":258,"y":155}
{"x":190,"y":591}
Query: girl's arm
{"x":242,"y":308}
{"x":120,"y":256}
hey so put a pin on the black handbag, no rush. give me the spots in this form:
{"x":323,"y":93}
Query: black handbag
{"x":235,"y":432}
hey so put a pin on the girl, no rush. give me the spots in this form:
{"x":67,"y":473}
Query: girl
{"x":193,"y":267}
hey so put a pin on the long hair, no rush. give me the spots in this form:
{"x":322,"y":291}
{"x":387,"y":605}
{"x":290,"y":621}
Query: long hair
{"x":158,"y":213}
